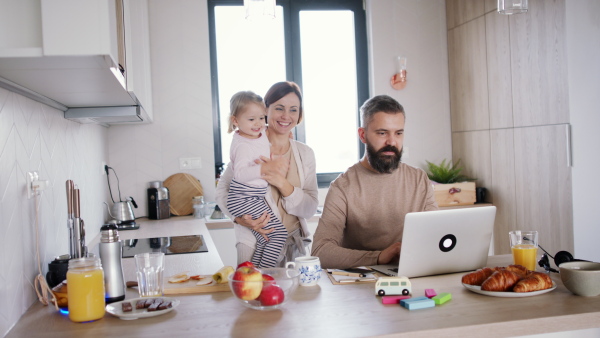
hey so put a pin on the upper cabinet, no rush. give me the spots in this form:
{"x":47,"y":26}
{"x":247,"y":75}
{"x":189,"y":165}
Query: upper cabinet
{"x":73,"y":54}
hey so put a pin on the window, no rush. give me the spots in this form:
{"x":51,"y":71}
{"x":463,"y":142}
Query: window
{"x":320,"y":45}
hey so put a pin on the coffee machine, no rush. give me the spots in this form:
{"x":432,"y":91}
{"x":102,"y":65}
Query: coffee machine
{"x":158,"y":201}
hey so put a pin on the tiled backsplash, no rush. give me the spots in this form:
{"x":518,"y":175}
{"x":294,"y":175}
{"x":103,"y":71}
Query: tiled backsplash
{"x":35,"y":137}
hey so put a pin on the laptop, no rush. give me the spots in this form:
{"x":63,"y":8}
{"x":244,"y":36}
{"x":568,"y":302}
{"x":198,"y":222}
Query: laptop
{"x":443,"y":241}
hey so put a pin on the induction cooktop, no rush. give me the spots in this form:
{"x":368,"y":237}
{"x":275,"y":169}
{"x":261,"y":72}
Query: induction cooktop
{"x":168,"y":245}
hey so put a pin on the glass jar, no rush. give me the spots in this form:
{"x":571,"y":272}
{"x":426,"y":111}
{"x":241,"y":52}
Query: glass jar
{"x":198,"y":205}
{"x":85,"y":280}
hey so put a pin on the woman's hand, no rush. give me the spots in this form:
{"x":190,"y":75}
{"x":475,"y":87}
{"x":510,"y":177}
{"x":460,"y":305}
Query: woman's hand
{"x":256,"y":224}
{"x":274,"y":171}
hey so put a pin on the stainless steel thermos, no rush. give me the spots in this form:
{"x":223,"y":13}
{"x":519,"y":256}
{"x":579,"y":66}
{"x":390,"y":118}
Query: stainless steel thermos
{"x":111,"y":251}
{"x":158,"y":201}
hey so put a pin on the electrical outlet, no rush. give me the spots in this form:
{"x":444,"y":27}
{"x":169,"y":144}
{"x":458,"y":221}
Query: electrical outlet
{"x":102,"y":170}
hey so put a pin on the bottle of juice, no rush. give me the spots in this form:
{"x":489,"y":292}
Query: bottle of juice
{"x":85,"y":295}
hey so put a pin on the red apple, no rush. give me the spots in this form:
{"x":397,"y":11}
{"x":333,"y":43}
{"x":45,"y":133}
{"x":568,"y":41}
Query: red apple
{"x":272,"y":294}
{"x":268,"y":279}
{"x":247,"y":283}
{"x":246,"y":263}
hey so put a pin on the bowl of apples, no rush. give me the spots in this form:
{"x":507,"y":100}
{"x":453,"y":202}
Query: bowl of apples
{"x":263,"y":289}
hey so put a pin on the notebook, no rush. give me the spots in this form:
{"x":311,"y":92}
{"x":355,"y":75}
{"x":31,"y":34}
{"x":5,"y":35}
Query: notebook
{"x":443,"y":241}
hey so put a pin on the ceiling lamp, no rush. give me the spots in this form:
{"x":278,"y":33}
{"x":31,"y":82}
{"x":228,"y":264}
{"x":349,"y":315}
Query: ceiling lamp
{"x":259,"y":8}
{"x":509,"y":7}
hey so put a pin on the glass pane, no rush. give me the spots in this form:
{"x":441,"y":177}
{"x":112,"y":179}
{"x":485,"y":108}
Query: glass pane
{"x":330,"y":90}
{"x":250,"y":56}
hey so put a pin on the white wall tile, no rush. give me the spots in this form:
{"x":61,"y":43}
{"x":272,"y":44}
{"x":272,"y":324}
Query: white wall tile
{"x":35,"y":137}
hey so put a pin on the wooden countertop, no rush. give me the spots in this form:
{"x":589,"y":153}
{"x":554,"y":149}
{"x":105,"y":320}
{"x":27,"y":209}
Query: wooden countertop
{"x":328,"y":310}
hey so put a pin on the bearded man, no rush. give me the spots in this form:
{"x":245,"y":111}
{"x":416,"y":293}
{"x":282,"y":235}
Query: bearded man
{"x":363,"y":215}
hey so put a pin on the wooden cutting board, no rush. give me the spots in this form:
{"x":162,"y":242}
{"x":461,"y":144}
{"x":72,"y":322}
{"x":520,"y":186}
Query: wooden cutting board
{"x":191,"y":287}
{"x":182,"y":188}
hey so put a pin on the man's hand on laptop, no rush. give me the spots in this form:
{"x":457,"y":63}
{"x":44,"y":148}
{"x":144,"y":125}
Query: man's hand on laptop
{"x":390,"y":253}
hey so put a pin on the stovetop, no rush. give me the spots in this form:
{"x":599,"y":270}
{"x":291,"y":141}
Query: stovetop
{"x":168,"y":245}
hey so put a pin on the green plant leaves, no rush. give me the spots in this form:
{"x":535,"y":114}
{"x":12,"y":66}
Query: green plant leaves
{"x":446,"y":172}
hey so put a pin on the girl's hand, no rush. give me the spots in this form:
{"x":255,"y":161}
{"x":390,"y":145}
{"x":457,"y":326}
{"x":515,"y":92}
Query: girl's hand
{"x":256,"y":224}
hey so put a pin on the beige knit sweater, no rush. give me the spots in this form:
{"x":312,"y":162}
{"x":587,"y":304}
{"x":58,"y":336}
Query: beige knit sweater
{"x":364,"y":214}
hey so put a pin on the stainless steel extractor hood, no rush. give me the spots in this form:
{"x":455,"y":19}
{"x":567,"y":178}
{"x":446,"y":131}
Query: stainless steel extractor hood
{"x":105,"y":115}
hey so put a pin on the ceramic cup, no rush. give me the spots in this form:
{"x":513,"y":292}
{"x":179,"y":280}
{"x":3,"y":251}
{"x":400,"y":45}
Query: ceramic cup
{"x":309,"y":268}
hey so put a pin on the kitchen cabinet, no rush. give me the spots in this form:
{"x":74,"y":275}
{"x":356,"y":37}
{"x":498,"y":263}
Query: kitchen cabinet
{"x":468,"y":83}
{"x":539,"y":65}
{"x":71,"y":54}
{"x":510,"y":118}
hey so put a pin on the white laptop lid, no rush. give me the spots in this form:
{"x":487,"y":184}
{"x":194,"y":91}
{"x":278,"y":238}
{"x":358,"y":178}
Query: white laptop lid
{"x":445,"y":241}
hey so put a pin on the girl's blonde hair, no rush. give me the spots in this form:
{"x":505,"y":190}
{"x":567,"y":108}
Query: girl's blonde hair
{"x":238,"y":102}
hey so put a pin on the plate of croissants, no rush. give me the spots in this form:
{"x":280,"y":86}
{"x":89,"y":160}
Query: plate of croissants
{"x":509,"y":281}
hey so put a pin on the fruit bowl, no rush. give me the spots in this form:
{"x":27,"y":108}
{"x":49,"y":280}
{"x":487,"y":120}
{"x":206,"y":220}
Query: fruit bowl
{"x":260,"y":292}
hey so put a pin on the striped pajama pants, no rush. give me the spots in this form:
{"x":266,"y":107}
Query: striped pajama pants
{"x":245,"y":199}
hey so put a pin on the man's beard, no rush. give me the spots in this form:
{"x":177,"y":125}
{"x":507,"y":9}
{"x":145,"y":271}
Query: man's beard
{"x":384,"y":164}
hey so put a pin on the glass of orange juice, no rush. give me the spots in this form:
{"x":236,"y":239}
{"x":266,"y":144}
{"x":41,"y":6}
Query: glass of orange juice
{"x":524,"y":246}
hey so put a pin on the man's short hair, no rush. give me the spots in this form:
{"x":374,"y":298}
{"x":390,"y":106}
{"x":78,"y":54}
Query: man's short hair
{"x":376,"y":104}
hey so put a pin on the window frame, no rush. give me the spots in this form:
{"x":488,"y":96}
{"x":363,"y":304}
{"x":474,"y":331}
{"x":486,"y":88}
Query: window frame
{"x":291,"y":10}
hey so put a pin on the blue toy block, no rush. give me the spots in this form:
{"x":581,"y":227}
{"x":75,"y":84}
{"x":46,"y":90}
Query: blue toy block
{"x":422,"y":303}
{"x":417,"y":303}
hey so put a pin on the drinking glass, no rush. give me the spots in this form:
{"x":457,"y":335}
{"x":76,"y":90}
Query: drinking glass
{"x":149,"y":270}
{"x":523,"y":245}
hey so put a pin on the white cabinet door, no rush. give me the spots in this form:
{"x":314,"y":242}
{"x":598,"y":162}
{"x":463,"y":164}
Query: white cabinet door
{"x":137,"y":45}
{"x":74,"y":27}
{"x":543,"y":185}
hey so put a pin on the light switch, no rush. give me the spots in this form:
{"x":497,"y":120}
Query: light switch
{"x":190,"y":163}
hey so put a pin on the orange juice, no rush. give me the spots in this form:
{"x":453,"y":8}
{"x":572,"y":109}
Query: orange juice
{"x":85,"y":293}
{"x":525,"y":254}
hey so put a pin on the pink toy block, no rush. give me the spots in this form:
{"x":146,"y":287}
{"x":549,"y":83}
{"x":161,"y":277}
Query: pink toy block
{"x":393,"y":299}
{"x":430,"y":293}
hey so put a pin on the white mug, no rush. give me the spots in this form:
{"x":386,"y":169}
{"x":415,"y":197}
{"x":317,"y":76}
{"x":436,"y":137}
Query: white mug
{"x":310,"y":269}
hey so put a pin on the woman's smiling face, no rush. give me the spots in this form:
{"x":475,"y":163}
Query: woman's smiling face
{"x":283,"y":114}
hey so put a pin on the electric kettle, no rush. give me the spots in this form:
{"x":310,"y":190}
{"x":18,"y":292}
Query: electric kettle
{"x":123,"y":212}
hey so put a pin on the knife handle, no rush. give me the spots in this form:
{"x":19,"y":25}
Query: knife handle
{"x":70,"y":197}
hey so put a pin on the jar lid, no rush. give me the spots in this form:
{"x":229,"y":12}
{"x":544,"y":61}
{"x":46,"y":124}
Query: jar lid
{"x":155,"y":184}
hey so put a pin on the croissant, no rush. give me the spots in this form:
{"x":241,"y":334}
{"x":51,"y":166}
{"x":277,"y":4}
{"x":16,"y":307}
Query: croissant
{"x":502,"y":280}
{"x":534,"y":281}
{"x":477,"y":277}
{"x":519,"y":270}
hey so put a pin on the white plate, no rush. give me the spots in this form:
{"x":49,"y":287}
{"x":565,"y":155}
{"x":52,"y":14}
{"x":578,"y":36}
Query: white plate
{"x":510,"y":294}
{"x":115,"y":309}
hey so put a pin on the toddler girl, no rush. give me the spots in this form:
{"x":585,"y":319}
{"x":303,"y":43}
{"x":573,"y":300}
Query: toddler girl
{"x":247,"y":191}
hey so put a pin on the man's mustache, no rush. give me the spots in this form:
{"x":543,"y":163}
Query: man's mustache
{"x":388,"y":148}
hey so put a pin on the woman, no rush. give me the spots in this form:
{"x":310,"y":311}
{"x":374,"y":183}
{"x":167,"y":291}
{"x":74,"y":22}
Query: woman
{"x":291,"y":175}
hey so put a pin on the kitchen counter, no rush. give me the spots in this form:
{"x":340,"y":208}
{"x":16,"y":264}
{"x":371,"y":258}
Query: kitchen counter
{"x":328,"y":310}
{"x":204,"y":263}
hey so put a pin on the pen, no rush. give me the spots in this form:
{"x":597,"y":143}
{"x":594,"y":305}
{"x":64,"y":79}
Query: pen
{"x":357,"y":280}
{"x":349,"y":274}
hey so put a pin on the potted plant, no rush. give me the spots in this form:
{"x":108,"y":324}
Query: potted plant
{"x":451,"y":187}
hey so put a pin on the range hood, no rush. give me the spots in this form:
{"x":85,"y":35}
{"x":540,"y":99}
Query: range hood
{"x":104,"y":115}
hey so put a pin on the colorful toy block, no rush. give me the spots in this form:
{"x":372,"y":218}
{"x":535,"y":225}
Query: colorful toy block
{"x":430,"y":293}
{"x":393,"y":299}
{"x":442,"y":298}
{"x":417,"y":303}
